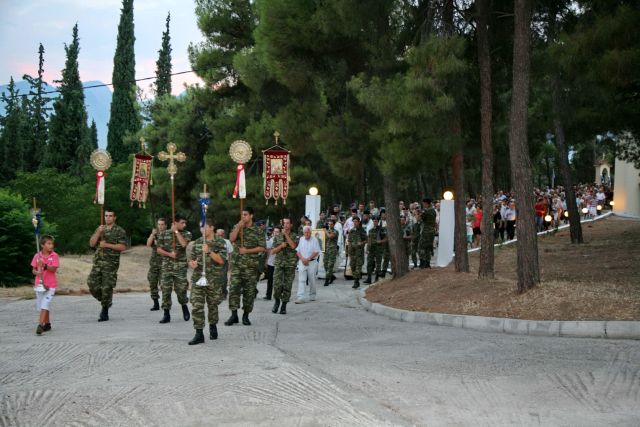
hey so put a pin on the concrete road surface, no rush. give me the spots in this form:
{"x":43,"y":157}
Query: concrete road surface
{"x":326,"y":363}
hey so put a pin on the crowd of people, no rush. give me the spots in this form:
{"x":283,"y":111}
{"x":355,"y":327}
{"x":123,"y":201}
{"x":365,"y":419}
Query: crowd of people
{"x":231,"y":268}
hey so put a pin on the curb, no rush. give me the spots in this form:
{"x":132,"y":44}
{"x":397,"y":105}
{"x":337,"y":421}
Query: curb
{"x":612,"y":329}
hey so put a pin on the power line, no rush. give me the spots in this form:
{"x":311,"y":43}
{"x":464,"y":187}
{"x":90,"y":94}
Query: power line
{"x":108,"y":84}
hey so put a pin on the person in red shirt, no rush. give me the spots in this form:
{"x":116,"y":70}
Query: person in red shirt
{"x":541,"y":210}
{"x":477,"y":221}
{"x":45,"y":264}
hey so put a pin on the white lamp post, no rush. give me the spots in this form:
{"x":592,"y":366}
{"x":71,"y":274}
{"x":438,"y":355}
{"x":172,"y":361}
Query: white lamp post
{"x":446,"y":230}
{"x":312,"y":211}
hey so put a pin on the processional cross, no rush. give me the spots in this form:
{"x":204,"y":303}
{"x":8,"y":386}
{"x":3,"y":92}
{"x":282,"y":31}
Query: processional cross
{"x":172,"y":169}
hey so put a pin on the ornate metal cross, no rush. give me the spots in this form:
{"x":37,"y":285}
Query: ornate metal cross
{"x":171,"y":156}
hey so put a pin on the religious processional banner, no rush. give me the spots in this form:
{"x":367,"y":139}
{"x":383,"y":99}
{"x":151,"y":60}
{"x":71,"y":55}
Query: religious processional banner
{"x":276,"y":174}
{"x":140,"y":179}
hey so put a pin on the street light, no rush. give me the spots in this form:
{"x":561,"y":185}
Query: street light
{"x":313,"y":191}
{"x":548,"y":218}
{"x":612,"y":203}
{"x":599,"y":207}
{"x":448,"y":195}
{"x":585,"y":211}
{"x":566,"y":214}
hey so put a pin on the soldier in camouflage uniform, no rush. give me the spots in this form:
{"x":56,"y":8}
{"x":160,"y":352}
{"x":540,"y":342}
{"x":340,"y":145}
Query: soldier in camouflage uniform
{"x":428,"y":233}
{"x":376,"y":240}
{"x":155,"y":263}
{"x":174,"y":267}
{"x":416,"y":230}
{"x":356,"y":240}
{"x":284,"y":246}
{"x":330,"y":252}
{"x":109,"y":241}
{"x":244,"y":268}
{"x":215,"y":253}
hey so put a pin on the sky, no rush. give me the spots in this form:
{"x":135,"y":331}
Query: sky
{"x":26,"y":23}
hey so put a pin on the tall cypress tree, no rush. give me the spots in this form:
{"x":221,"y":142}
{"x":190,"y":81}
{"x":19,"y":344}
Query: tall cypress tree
{"x":68,"y":124}
{"x":35,"y":147}
{"x":13,"y":138}
{"x":163,"y":70}
{"x":124,"y":110}
{"x":93,"y":136}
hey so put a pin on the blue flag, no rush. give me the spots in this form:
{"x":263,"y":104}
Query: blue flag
{"x":204,"y":203}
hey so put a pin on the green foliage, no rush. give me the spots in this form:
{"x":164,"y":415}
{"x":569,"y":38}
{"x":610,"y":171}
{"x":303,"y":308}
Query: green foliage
{"x":68,"y":133}
{"x":163,"y":64}
{"x":17,"y":239}
{"x":15,"y":134}
{"x":124,"y":119}
{"x":66,"y":201}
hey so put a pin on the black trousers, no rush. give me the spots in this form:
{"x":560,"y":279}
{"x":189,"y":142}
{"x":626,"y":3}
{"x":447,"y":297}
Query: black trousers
{"x":511,"y":229}
{"x":270,"y":269}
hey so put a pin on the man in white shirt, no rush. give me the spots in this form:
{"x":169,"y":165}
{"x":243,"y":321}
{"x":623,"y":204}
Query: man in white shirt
{"x":271,"y":258}
{"x":348,"y":224}
{"x":307,"y":251}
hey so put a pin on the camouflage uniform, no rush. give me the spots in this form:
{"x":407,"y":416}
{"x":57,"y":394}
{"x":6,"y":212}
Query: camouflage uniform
{"x":104,"y":273}
{"x":244,"y":270}
{"x":212,"y":292}
{"x":416,"y":230}
{"x":356,"y":252}
{"x":330,"y":254}
{"x":427,"y":235}
{"x":155,"y":270}
{"x":174,"y":271}
{"x":374,"y":260}
{"x":285,"y":268}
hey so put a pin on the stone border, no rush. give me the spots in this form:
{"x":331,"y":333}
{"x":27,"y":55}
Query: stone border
{"x":554,"y":328}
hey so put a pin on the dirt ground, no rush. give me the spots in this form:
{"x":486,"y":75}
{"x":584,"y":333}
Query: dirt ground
{"x":598,"y":280}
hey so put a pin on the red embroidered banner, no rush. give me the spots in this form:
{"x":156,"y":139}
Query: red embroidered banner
{"x":276,"y":174}
{"x":140,"y":179}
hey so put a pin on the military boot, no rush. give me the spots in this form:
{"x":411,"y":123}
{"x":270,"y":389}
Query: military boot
{"x":377,"y":277}
{"x":156,"y":305}
{"x":104,"y":314}
{"x":185,"y":313}
{"x":276,"y":305}
{"x":383,"y":274}
{"x":283,"y":308}
{"x":213,"y":332}
{"x":233,"y":319}
{"x":356,"y":284}
{"x":368,"y":279}
{"x":327,"y":281}
{"x":166,"y":318}
{"x":245,"y":319}
{"x":198,"y":338}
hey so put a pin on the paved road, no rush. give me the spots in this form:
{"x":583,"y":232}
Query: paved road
{"x":327,"y":363}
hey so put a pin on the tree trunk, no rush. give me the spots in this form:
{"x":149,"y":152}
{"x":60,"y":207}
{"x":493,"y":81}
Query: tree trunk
{"x":399,"y":256}
{"x":461,"y":260}
{"x":575,"y":228}
{"x":486,"y":270}
{"x":521,"y":178}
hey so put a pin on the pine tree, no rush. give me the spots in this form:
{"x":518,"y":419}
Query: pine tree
{"x":38,"y":112}
{"x":163,"y":70}
{"x":124,"y":111}
{"x":68,"y":124}
{"x":13,"y":137}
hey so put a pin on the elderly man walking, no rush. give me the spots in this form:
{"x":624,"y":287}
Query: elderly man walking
{"x":307,"y":252}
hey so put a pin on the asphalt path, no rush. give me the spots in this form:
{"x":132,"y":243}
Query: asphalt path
{"x":326,"y":363}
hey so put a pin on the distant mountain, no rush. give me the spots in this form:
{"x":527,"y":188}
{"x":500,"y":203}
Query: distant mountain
{"x":97,"y":101}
